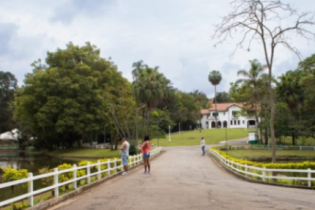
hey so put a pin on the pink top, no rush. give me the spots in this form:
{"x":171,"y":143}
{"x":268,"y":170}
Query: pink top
{"x":146,"y":149}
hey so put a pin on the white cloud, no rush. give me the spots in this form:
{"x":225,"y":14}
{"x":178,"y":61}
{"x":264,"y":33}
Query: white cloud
{"x":172,"y":34}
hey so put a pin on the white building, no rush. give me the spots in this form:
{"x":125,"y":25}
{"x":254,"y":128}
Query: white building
{"x":229,"y":115}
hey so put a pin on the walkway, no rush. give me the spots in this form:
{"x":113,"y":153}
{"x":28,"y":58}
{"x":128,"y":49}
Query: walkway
{"x":183,"y":179}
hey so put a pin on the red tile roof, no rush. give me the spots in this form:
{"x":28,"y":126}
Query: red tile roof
{"x":221,"y":107}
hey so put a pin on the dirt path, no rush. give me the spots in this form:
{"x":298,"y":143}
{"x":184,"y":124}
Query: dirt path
{"x":183,"y":179}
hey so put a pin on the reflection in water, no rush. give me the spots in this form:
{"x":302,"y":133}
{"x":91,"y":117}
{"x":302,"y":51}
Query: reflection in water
{"x":31,"y":162}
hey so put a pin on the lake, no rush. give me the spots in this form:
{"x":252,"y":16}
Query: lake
{"x":30,"y":161}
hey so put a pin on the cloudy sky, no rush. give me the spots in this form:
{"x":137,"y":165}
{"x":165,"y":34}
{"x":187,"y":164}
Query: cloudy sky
{"x":172,"y":34}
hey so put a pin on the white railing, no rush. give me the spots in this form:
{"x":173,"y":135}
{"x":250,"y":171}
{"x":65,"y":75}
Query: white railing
{"x":134,"y":160}
{"x":265,"y":174}
{"x":267,"y":147}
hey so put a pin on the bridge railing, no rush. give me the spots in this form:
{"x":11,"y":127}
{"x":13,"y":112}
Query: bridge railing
{"x":134,"y":160}
{"x":301,"y":177}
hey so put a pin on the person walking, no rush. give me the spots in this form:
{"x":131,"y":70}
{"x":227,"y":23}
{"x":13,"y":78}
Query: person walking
{"x":145,"y":150}
{"x":124,"y":152}
{"x":202,"y":144}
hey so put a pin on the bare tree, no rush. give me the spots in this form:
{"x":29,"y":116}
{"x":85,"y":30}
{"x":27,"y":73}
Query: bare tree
{"x":263,"y":21}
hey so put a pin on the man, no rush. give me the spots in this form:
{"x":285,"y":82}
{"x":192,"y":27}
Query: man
{"x":202,"y":144}
{"x":124,"y":152}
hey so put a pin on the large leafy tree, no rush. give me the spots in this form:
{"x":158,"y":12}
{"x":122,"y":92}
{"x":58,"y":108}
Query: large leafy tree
{"x":202,"y":101}
{"x":150,"y":88}
{"x":222,"y":97}
{"x":290,"y":91}
{"x":215,"y":79}
{"x":8,"y":87}
{"x":307,"y":82}
{"x":62,"y":101}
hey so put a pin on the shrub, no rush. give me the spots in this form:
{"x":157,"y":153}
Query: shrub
{"x":133,"y":150}
{"x":11,"y":174}
{"x":304,"y":165}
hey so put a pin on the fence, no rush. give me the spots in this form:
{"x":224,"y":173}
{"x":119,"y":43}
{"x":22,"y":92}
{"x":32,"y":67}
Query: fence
{"x":284,"y":176}
{"x":269,"y":147}
{"x":134,"y":160}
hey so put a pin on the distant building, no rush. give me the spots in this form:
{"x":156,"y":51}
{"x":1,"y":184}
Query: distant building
{"x":229,"y":115}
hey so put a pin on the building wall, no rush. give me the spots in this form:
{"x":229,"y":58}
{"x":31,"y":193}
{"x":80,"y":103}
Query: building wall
{"x":237,"y":122}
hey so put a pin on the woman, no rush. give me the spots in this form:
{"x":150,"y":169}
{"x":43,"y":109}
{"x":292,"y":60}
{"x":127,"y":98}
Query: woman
{"x":145,"y":150}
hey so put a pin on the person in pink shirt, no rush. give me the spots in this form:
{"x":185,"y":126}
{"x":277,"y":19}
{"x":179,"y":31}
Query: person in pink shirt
{"x":145,"y":150}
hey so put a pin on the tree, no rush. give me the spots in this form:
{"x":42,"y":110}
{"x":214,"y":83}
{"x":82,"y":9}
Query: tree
{"x":307,"y":82}
{"x":290,"y":91}
{"x":222,"y":97}
{"x":8,"y":87}
{"x":62,"y":101}
{"x":202,"y":102}
{"x":263,"y":20}
{"x":215,"y":79}
{"x":121,"y":108}
{"x":252,"y":79}
{"x":150,"y":88}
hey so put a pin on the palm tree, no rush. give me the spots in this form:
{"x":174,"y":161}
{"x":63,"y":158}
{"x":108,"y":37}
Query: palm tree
{"x":253,"y":79}
{"x":215,"y":79}
{"x":150,"y":88}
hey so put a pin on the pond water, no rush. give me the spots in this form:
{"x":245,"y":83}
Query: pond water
{"x":31,"y":162}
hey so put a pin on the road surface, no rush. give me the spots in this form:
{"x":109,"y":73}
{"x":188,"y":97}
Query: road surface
{"x":183,"y":179}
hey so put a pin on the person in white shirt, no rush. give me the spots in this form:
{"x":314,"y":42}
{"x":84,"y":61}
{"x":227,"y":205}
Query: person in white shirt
{"x":124,"y":152}
{"x":202,"y":144}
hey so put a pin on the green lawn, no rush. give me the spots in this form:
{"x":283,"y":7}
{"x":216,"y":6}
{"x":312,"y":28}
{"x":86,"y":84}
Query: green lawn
{"x":247,"y":154}
{"x":188,"y":138}
{"x":300,"y":141}
{"x":99,"y":153}
{"x":212,"y":136}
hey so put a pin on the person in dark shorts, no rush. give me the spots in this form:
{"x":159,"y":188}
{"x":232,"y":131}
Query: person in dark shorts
{"x":145,"y":150}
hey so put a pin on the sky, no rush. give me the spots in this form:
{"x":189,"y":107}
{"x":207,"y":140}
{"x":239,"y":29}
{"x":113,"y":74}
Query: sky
{"x":175,"y":35}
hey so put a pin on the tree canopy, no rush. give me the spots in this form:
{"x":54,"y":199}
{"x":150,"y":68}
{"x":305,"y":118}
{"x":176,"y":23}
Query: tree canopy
{"x":8,"y":87}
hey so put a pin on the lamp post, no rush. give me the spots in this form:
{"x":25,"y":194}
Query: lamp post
{"x":169,"y":133}
{"x":179,"y":127}
{"x":105,"y":132}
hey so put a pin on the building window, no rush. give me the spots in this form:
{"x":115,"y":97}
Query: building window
{"x":223,"y":113}
{"x":238,"y":122}
{"x":243,"y":122}
{"x":234,"y":122}
{"x":231,"y":122}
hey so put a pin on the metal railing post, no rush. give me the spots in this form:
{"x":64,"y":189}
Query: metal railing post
{"x":30,"y":190}
{"x":56,"y":182}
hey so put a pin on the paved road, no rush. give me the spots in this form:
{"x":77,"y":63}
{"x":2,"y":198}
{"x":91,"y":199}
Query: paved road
{"x":183,"y":179}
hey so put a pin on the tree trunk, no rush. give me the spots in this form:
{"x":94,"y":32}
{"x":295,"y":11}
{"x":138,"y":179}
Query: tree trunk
{"x":293,"y":139}
{"x":148,"y":121}
{"x":216,"y":114}
{"x":266,"y":136}
{"x":272,"y":130}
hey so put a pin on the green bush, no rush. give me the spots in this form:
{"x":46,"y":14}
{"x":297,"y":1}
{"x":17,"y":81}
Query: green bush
{"x":11,"y":174}
{"x":133,"y":150}
{"x":303,"y":165}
